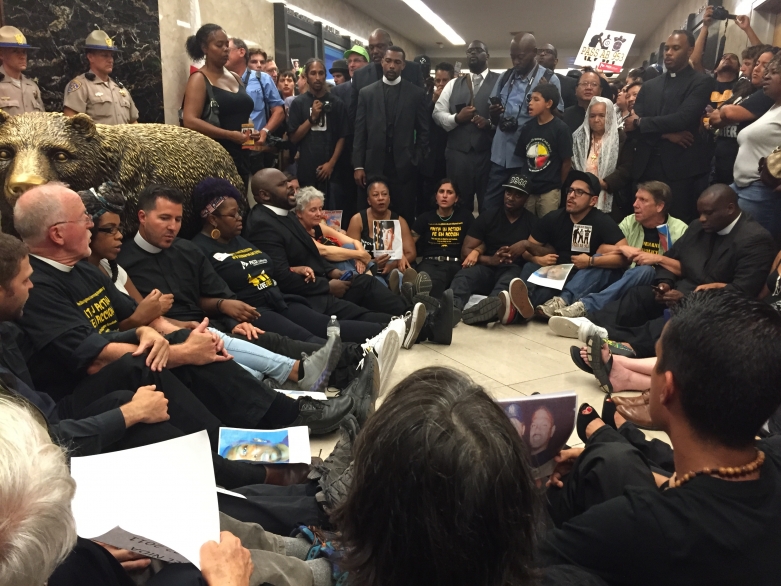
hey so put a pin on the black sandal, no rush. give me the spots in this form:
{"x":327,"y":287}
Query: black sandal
{"x":574,"y":352}
{"x":601,"y":369}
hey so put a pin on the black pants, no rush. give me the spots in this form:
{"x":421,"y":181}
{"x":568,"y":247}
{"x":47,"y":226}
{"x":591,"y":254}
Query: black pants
{"x":636,"y":319}
{"x":469,"y":171}
{"x":441,"y":273}
{"x":369,"y":293}
{"x":685,"y":191}
{"x":658,"y":453}
{"x":403,"y":190}
{"x":278,"y":509}
{"x":606,"y":467}
{"x":482,"y":280}
{"x":300,"y":322}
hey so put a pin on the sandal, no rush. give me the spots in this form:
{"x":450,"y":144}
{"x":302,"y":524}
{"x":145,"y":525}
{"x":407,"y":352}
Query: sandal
{"x":600,"y":368}
{"x":574,"y":353}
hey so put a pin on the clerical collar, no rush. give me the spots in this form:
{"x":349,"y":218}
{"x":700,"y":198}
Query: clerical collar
{"x":277,"y":211}
{"x":386,"y":81}
{"x":144,"y":245}
{"x":57,"y":265}
{"x":729,"y":228}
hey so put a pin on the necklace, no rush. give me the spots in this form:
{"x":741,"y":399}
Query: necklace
{"x":448,"y":218}
{"x":723,"y":472}
{"x":596,"y":147}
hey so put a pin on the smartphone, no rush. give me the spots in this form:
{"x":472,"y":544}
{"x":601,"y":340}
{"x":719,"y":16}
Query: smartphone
{"x":495,"y":100}
{"x":657,"y":289}
{"x":346,"y":276}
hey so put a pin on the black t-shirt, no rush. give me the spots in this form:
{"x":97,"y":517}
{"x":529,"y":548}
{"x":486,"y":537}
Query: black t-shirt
{"x":721,"y":93}
{"x":245,"y":269}
{"x":68,"y":320}
{"x":542,"y":149}
{"x":708,"y":531}
{"x":757,"y":103}
{"x":440,"y":237}
{"x":569,"y":239}
{"x":181,"y":270}
{"x":650,"y":240}
{"x":495,"y":230}
{"x":573,"y":117}
{"x":319,"y":143}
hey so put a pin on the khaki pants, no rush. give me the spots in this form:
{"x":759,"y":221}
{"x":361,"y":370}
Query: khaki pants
{"x":544,"y":203}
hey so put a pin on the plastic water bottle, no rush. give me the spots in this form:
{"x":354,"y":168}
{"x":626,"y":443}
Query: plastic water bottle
{"x":333,"y":328}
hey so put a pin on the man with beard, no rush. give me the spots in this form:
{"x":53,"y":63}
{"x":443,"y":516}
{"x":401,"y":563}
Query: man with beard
{"x":462,"y":110}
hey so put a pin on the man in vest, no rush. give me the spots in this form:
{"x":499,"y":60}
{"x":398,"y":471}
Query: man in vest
{"x":462,"y":110}
{"x":18,"y":94}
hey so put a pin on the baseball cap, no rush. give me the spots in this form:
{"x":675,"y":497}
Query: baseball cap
{"x":589,"y":178}
{"x":99,"y":41}
{"x":518,"y":182}
{"x":340,"y":65}
{"x":358,"y":50}
{"x":10,"y":36}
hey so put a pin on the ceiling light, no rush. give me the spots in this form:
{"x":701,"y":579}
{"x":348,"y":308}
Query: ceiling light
{"x":434,"y":20}
{"x":603,"y":10}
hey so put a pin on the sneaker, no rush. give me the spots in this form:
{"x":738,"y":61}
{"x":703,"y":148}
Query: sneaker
{"x":409,"y":276}
{"x":394,"y":281}
{"x":398,"y":325}
{"x":549,"y":308}
{"x":566,"y":327}
{"x":385,"y":346}
{"x":342,"y":454}
{"x":319,"y":365}
{"x":519,"y":295}
{"x":423,"y":283}
{"x":408,"y":292}
{"x":588,"y":329}
{"x":365,"y":389}
{"x":322,"y":417}
{"x":508,"y":314}
{"x":577,"y":309}
{"x":414,"y":321}
{"x":484,"y":311}
{"x":430,"y":302}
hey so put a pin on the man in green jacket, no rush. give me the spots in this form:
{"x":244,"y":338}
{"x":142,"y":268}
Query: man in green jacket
{"x":645,"y":247}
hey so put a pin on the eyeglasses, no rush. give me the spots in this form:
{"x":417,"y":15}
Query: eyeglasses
{"x":111,"y":230}
{"x":579,"y":192}
{"x":86,"y":219}
{"x":589,"y":84}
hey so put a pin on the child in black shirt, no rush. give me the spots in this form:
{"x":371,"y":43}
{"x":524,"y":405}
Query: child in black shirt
{"x":545,"y":147}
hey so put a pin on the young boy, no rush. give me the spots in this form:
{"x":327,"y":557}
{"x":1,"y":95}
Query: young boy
{"x":545,"y":146}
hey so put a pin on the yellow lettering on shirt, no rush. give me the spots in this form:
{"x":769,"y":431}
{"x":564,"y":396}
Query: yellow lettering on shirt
{"x":652,"y":247}
{"x":100,"y":313}
{"x":445,"y":234}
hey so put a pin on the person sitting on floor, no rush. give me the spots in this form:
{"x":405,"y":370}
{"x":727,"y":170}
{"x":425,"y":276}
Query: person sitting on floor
{"x":724,"y":249}
{"x":714,"y":385}
{"x":645,"y":247}
{"x":489,"y":266}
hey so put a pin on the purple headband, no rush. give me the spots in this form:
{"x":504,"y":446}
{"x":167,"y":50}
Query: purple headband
{"x":212,"y":205}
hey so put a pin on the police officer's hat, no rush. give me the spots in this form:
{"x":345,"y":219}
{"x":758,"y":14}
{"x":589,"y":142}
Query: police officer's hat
{"x":99,"y":41}
{"x":12,"y":37}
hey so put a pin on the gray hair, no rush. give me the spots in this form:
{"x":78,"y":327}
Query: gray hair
{"x":37,"y":529}
{"x":36,"y":210}
{"x":306,"y":195}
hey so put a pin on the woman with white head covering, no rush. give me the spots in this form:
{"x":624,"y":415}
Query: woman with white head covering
{"x":596,"y":144}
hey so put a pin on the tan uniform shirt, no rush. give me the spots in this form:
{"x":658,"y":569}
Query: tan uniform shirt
{"x":19,"y":96}
{"x":104,"y":102}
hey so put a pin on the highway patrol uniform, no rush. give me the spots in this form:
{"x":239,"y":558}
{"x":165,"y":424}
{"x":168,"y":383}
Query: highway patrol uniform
{"x":17,"y":96}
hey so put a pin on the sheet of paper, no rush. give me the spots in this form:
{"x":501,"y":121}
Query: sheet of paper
{"x":159,"y":500}
{"x":553,"y":276}
{"x":318,"y":396}
{"x":267,"y":446}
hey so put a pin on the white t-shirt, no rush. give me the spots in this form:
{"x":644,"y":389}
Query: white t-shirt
{"x":757,"y":140}
{"x":121,"y":276}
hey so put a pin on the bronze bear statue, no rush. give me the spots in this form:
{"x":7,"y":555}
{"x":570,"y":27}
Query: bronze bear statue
{"x":36,"y":148}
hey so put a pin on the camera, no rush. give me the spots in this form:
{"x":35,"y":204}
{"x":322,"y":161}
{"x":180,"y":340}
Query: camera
{"x":507,"y":124}
{"x":720,"y":13}
{"x":326,"y":106}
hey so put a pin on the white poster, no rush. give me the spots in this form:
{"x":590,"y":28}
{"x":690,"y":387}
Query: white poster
{"x":387,"y":239}
{"x":604,"y":50}
{"x":553,"y":276}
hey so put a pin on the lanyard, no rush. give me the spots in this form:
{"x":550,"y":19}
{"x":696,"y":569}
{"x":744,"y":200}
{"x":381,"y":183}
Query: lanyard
{"x":526,"y":93}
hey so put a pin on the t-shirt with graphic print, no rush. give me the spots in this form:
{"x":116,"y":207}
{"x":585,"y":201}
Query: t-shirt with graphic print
{"x":543,"y":148}
{"x":650,"y":240}
{"x":442,"y":236}
{"x":246,"y":270}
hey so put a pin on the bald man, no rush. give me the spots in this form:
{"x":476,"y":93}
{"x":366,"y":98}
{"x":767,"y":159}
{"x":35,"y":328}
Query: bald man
{"x":509,"y":111}
{"x":723,"y":249}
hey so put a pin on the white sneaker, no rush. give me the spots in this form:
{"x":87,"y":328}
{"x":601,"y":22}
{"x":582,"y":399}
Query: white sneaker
{"x":588,"y":329}
{"x":385,"y":346}
{"x":414,"y":321}
{"x":567,"y":327}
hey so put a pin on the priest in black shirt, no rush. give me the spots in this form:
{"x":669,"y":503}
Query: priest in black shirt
{"x":73,"y":314}
{"x":715,"y":521}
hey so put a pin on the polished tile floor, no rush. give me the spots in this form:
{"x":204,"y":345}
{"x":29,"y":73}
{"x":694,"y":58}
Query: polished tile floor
{"x":508,"y":361}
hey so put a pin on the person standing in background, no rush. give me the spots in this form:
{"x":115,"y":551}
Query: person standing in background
{"x":434,"y":168}
{"x":18,"y":94}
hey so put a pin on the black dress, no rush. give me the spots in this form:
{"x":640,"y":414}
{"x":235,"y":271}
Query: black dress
{"x":235,"y":110}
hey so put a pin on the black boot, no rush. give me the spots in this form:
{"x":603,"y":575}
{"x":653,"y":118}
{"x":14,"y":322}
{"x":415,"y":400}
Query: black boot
{"x":442,"y":321}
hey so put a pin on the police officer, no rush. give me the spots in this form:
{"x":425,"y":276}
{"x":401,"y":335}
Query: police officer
{"x":95,"y":93}
{"x":18,"y":94}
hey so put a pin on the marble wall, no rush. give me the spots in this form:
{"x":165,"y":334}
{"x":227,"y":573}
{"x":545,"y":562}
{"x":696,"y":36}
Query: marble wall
{"x":59,"y":29}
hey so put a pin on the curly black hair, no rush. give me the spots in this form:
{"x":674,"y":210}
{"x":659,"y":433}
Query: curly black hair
{"x":108,"y":197}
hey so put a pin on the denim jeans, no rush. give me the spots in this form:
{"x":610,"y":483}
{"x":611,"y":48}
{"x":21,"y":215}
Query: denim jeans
{"x":633,"y":277}
{"x":494,"y":193}
{"x":349,"y":265}
{"x":582,"y":283}
{"x":258,"y":361}
{"x":761,"y":203}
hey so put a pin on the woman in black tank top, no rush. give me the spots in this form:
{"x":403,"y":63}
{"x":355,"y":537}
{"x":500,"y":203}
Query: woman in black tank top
{"x":235,"y":105}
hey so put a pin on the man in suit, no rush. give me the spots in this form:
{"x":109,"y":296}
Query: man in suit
{"x":379,"y":42}
{"x":462,"y":110}
{"x":548,"y":56}
{"x":667,"y":114}
{"x":723,"y":249}
{"x":279,"y":234}
{"x":391,"y":133}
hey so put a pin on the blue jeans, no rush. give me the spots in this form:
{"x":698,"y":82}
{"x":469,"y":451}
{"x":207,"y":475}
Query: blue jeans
{"x":633,"y":277}
{"x":494,"y":192}
{"x":761,"y":203}
{"x":349,"y":265}
{"x":582,"y":283}
{"x":258,"y":361}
